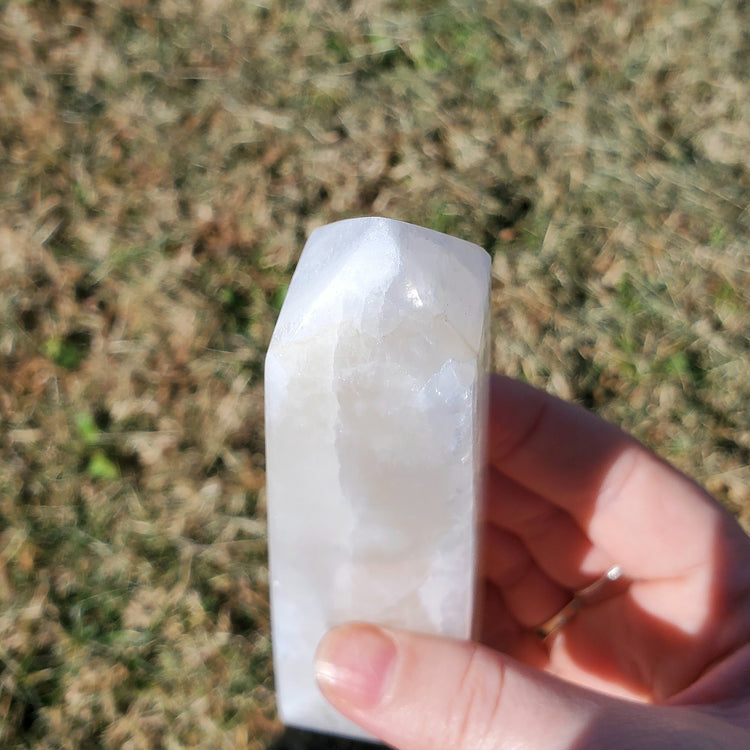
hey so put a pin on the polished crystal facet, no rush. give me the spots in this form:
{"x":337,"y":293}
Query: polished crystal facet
{"x":375,"y":380}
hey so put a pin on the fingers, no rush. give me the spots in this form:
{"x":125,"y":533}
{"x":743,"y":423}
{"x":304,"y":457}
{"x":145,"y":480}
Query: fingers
{"x":426,"y":693}
{"x":554,"y":540}
{"x":555,"y":448}
{"x":635,"y":508}
{"x":501,"y":631}
{"x":532,"y":597}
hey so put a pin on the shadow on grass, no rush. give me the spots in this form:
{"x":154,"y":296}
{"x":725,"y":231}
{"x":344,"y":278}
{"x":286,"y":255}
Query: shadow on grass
{"x":298,"y":739}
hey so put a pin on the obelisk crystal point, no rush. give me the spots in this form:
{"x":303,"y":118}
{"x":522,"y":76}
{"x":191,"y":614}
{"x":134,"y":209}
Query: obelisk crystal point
{"x":375,"y":384}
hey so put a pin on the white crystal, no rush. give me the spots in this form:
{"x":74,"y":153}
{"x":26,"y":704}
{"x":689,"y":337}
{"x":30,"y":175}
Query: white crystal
{"x":374,"y":441}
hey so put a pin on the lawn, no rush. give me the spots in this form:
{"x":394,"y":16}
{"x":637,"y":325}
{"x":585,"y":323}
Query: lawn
{"x":161,"y":164}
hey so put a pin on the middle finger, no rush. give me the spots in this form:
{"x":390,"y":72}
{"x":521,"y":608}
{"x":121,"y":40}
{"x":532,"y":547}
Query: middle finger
{"x":553,"y":539}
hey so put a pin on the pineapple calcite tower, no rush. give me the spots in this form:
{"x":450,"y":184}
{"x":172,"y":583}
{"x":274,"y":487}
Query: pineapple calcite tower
{"x":375,"y":384}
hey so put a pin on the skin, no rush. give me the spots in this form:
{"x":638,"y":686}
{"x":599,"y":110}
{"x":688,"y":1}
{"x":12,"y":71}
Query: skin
{"x":659,"y":658}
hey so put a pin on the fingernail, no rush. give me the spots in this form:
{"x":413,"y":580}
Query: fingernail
{"x":353,"y":664}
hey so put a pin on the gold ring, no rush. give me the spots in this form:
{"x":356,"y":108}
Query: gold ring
{"x":551,"y":626}
{"x":585,"y":596}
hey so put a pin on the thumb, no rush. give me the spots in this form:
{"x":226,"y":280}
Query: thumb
{"x":419,"y":692}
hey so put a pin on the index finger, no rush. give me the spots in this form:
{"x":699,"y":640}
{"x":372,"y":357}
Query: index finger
{"x":633,"y":505}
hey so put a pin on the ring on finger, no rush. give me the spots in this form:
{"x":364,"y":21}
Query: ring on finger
{"x":585,"y":596}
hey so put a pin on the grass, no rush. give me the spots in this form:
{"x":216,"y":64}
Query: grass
{"x":162,"y":163}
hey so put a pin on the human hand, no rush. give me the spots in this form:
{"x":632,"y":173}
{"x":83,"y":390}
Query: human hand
{"x":658,"y":658}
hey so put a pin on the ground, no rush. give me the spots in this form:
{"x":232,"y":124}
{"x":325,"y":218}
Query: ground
{"x":162,"y":163}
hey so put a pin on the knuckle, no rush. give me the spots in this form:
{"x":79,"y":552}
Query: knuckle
{"x":478,"y":696}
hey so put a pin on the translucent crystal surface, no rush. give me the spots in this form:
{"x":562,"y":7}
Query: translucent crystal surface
{"x":375,"y":379}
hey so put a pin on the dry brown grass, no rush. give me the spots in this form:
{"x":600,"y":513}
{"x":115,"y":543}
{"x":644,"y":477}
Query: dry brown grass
{"x":162,"y":163}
